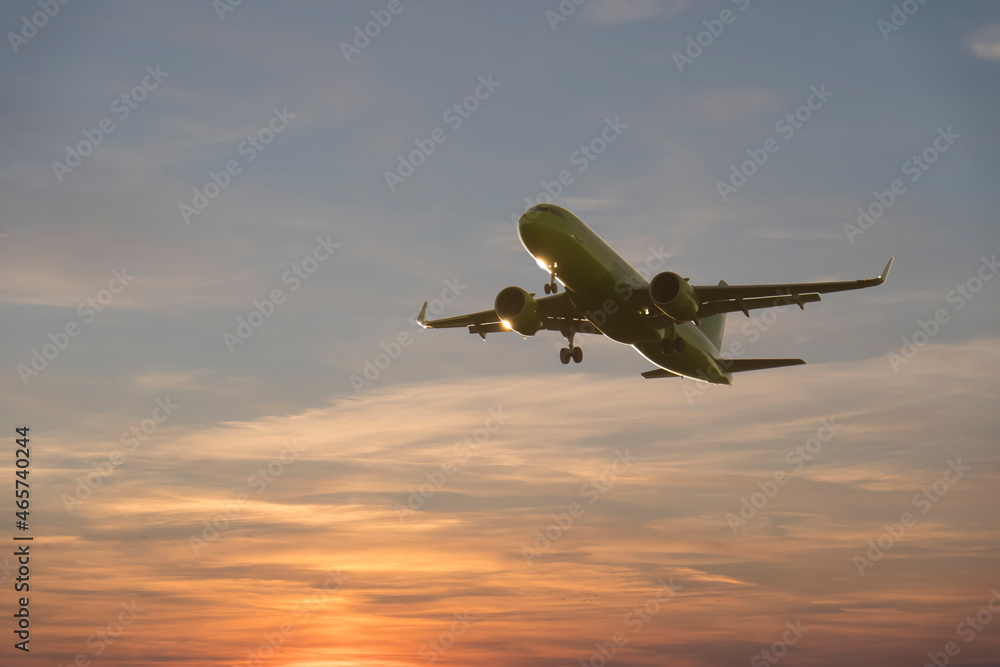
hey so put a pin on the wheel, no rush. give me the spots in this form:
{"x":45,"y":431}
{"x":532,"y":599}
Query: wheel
{"x":679,"y":344}
{"x":667,"y":346}
{"x":554,"y":286}
{"x":577,"y":354}
{"x":548,"y":288}
{"x":564,"y":355}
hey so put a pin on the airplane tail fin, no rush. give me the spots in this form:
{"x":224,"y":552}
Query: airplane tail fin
{"x":713,"y":326}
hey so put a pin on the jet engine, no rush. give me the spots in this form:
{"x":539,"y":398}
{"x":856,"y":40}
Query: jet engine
{"x":674,"y":296}
{"x":519,"y":310}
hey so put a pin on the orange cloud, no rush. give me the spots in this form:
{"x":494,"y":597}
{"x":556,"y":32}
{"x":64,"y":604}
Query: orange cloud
{"x":392,"y":529}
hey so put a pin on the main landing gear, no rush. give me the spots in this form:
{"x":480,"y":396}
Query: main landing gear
{"x":672,"y":344}
{"x":574,"y":353}
{"x":571,"y":352}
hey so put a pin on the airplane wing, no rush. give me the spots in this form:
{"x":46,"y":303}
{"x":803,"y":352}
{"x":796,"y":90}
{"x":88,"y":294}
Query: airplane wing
{"x":723,"y":298}
{"x":558,"y":314}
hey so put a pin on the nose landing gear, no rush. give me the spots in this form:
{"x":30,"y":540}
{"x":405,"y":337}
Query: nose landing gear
{"x":552,"y":286}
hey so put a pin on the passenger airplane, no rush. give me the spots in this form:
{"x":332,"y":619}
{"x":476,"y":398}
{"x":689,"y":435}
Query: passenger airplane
{"x":673,"y":324}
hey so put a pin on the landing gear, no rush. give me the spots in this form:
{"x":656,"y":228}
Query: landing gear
{"x":574,"y":353}
{"x":672,"y":345}
{"x":552,"y":287}
{"x":571,"y":352}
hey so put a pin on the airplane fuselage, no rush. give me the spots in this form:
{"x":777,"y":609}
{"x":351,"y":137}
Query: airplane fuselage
{"x":612,"y":294}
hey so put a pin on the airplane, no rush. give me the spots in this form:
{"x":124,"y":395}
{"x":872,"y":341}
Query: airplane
{"x":675,"y":325}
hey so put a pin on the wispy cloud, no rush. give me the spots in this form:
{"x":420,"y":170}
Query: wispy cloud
{"x":335,"y":507}
{"x":985,"y":42}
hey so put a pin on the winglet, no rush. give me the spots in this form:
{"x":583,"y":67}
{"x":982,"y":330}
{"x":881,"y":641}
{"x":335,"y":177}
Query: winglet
{"x":885,"y":272}
{"x":421,"y":317}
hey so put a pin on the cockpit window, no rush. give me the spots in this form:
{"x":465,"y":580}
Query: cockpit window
{"x":547,"y":209}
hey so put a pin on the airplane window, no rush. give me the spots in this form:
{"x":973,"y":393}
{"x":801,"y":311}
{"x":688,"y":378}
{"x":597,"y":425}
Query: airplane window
{"x":547,"y":209}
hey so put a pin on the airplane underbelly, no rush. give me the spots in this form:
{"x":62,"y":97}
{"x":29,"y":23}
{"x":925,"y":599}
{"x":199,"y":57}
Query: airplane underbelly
{"x":699,"y":358}
{"x":605,"y":304}
{"x":693,"y":362}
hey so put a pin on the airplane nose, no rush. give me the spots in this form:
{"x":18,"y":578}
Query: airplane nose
{"x":526,"y":228}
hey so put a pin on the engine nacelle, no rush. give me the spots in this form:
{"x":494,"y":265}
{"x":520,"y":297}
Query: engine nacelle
{"x":519,"y":310}
{"x":674,"y":296}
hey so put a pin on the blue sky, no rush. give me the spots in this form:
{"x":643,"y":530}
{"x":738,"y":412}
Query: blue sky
{"x":447,"y":228}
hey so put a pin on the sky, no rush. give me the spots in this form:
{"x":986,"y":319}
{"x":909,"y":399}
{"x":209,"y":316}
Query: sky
{"x":218,"y":221}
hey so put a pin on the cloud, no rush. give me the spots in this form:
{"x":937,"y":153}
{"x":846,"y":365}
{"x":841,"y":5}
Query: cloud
{"x":335,"y":505}
{"x":985,"y":42}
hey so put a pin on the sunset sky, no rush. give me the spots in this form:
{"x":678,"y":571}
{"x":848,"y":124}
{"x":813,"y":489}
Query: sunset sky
{"x":213,"y":244}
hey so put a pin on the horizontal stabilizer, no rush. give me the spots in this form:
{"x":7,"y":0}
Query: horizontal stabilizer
{"x":659,"y":373}
{"x":739,"y":365}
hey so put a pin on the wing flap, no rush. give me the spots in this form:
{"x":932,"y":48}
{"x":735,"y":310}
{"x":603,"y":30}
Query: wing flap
{"x":746,"y":305}
{"x":482,"y":317}
{"x":708,"y":293}
{"x":558,"y":314}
